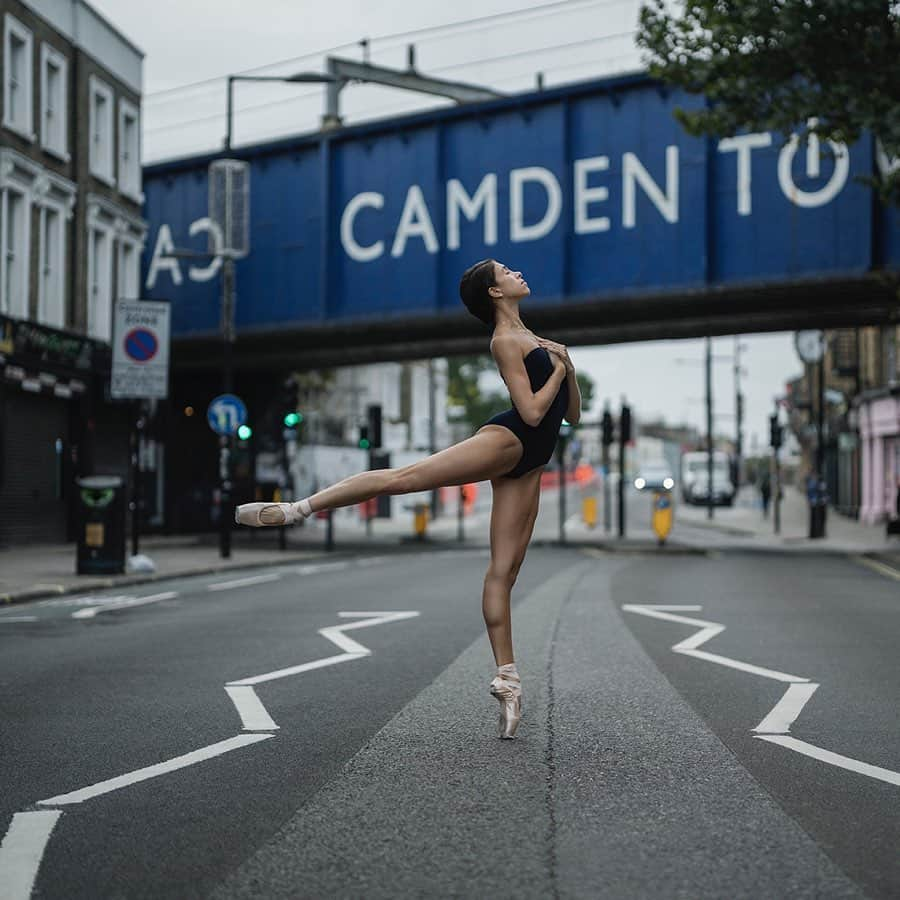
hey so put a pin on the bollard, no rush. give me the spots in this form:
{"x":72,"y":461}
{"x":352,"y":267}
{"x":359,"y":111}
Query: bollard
{"x":662,"y":516}
{"x":421,"y":520}
{"x":589,"y":511}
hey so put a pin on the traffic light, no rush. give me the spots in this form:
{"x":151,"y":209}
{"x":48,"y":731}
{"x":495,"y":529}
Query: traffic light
{"x":373,"y":412}
{"x":245,"y":432}
{"x":364,"y":437}
{"x":625,"y":424}
{"x":289,"y":401}
{"x":606,"y":425}
{"x":775,"y":432}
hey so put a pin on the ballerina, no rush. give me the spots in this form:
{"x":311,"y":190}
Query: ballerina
{"x":510,"y":449}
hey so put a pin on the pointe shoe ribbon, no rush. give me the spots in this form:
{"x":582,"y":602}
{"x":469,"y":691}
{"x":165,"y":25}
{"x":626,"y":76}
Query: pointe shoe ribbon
{"x":261,"y":514}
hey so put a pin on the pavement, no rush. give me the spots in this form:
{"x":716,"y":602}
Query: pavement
{"x":42,"y":570}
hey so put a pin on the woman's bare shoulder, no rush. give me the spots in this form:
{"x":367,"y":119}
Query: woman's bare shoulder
{"x":503,"y":344}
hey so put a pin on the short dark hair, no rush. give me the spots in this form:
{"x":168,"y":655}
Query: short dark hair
{"x":473,"y":289}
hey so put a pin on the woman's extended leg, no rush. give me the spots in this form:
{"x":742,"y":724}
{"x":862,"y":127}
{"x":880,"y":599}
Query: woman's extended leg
{"x":487,"y":454}
{"x":514,"y":510}
{"x":490,"y":452}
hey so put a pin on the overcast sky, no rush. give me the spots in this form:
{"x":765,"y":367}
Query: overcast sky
{"x":190,"y":45}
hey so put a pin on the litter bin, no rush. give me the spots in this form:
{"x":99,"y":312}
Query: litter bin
{"x":101,"y":525}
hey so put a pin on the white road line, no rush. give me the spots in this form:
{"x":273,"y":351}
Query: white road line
{"x":708,"y":630}
{"x":296,"y":670}
{"x":22,"y":850}
{"x":313,"y":568}
{"x":243,"y":582}
{"x":253,"y":714}
{"x":879,"y":567}
{"x":785,"y":712}
{"x":336,"y":635}
{"x":5,"y":619}
{"x":122,"y":603}
{"x":163,"y":768}
{"x":774,"y":674}
{"x":833,"y":759}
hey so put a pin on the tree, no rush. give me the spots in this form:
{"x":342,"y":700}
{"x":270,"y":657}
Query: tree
{"x":463,"y":391}
{"x":477,"y":406}
{"x":824,"y":67}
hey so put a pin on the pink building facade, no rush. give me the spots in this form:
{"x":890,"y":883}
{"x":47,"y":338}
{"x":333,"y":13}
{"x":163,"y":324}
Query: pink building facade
{"x":879,"y":432}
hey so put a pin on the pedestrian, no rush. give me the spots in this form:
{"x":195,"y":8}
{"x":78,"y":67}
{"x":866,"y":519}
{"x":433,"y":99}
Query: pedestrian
{"x":511,"y":449}
{"x":765,"y":491}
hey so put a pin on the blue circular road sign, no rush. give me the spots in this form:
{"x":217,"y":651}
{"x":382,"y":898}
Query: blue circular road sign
{"x":226,"y":413}
{"x":141,"y":344}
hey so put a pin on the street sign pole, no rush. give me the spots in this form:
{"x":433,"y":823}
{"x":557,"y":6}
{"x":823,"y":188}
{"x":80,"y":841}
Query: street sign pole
{"x":225,"y":441}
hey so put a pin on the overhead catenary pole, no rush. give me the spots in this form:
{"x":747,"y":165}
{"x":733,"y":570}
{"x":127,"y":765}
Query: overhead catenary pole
{"x":340,"y":72}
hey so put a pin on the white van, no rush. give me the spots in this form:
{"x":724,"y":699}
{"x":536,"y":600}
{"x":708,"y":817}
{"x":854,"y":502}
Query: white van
{"x":695,"y":477}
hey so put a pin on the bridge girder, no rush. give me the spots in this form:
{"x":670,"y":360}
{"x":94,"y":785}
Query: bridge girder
{"x":873,"y":299}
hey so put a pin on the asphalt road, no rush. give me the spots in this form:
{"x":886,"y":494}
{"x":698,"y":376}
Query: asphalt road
{"x":364,"y":762}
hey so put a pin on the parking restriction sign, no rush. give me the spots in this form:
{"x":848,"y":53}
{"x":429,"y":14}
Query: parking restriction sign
{"x":140,"y":363}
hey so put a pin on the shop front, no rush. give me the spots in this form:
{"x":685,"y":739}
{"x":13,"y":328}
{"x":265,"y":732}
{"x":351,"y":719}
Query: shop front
{"x":56,"y":423}
{"x":879,"y":431}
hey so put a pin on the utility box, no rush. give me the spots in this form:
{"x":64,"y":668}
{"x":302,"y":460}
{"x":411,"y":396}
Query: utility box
{"x":101,"y":525}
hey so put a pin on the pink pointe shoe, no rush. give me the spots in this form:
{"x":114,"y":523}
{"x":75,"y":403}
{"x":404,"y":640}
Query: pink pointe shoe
{"x":261,"y":514}
{"x":509,"y":692}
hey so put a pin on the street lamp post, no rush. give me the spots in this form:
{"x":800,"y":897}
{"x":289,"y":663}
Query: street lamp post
{"x":227,"y":317}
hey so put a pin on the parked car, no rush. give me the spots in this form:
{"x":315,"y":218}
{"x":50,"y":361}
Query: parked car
{"x":655,"y":477}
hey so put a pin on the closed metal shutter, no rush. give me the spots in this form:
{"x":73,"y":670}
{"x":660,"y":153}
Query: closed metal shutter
{"x":31,"y":509}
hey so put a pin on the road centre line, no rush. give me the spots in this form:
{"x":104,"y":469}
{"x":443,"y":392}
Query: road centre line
{"x":163,"y":768}
{"x":5,"y":619}
{"x":784,"y":713}
{"x":122,"y":603}
{"x":22,"y":850}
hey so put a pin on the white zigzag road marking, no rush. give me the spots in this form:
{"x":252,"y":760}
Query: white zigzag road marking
{"x":21,"y":851}
{"x":25,"y":841}
{"x":775,"y":726}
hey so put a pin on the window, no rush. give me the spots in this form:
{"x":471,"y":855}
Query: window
{"x":14,"y":262}
{"x":54,"y":91}
{"x":99,"y":284}
{"x":101,"y":131}
{"x":17,"y":88}
{"x":51,"y":287}
{"x":129,"y":270}
{"x":129,"y":151}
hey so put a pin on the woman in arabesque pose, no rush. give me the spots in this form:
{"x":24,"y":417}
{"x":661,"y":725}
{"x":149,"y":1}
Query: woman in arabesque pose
{"x":511,"y":449}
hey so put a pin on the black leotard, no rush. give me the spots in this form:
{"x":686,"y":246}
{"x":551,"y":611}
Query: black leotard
{"x":538,"y":441}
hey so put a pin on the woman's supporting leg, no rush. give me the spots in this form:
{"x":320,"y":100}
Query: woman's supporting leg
{"x":514,"y":510}
{"x":488,"y":453}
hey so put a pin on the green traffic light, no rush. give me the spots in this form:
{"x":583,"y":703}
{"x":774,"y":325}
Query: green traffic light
{"x":292,"y":419}
{"x":245,"y":432}
{"x":364,"y":444}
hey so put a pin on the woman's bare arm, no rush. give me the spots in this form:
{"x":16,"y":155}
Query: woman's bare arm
{"x":532,"y":406}
{"x":573,"y":412}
